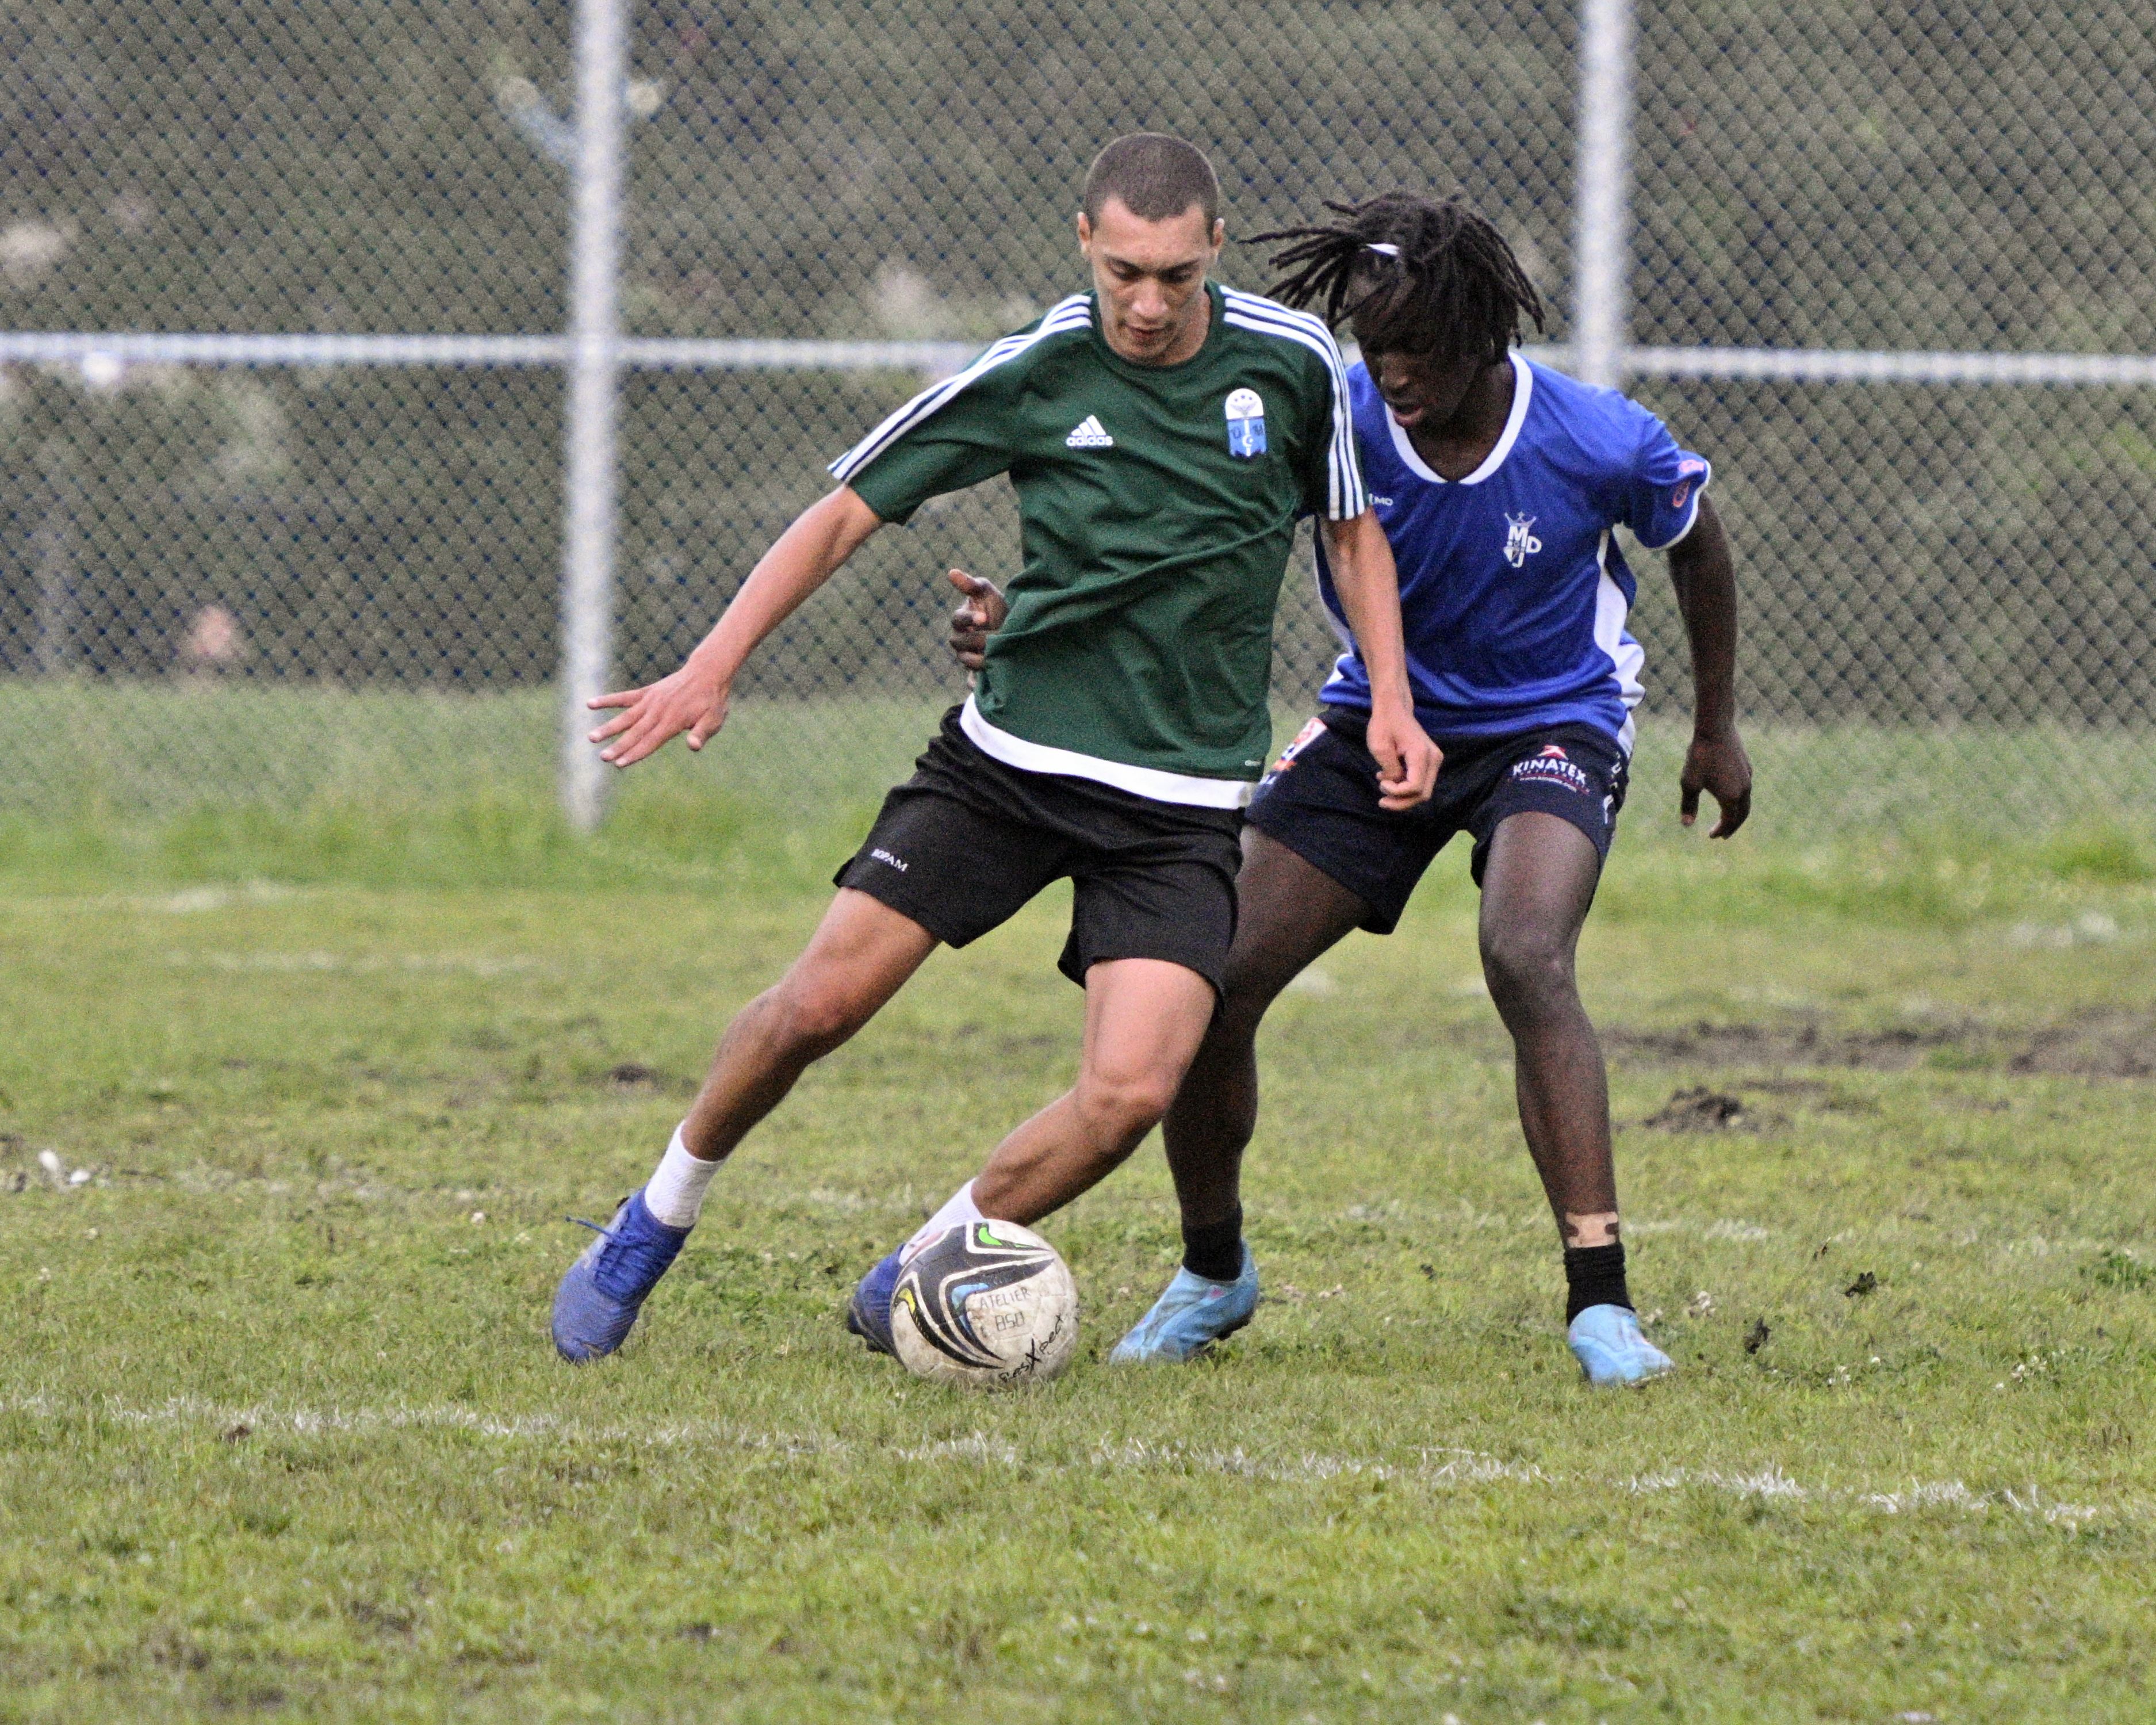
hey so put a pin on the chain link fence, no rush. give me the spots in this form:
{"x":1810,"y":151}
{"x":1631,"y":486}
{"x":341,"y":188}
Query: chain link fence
{"x":324,"y":574}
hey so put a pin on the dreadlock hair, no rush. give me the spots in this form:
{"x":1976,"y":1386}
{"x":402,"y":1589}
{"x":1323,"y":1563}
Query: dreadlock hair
{"x":1412,"y":274}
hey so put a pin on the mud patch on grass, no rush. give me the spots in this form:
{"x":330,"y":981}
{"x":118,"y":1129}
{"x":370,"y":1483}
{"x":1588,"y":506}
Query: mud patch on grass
{"x":2102,"y":1043}
{"x":1801,"y":1043}
{"x":1700,"y":1110}
{"x":2097,"y":1043}
{"x":634,"y":1078}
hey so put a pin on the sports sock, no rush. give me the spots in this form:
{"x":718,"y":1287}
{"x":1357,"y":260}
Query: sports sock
{"x":961,"y":1208}
{"x":1214,"y":1250}
{"x":1595,"y":1276}
{"x":675,"y":1195}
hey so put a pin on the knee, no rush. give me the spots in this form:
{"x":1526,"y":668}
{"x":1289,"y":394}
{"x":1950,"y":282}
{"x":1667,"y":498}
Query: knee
{"x":807,"y":1020}
{"x":1120,"y":1108}
{"x":1529,"y":972}
{"x":1247,"y":993}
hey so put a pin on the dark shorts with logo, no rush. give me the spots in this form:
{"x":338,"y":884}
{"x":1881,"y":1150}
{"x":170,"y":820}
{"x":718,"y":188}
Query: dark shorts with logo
{"x":967,"y":840}
{"x":1321,"y":800}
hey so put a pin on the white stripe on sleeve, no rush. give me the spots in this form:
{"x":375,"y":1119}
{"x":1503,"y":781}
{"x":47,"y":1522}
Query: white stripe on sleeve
{"x":1075,"y":313}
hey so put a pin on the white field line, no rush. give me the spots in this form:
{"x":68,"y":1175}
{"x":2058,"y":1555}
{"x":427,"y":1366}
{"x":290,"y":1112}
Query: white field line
{"x":1439,"y":1468}
{"x":361,"y":964}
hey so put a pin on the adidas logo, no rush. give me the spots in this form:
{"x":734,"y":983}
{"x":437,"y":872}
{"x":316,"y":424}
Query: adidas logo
{"x":1089,"y":433}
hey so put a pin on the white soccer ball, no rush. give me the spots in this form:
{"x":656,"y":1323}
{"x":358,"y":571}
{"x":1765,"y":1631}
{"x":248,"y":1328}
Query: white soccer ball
{"x":986,"y":1305}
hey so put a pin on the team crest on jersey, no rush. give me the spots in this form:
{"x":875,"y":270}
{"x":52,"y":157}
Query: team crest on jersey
{"x":1246,"y":424}
{"x":1520,"y":541}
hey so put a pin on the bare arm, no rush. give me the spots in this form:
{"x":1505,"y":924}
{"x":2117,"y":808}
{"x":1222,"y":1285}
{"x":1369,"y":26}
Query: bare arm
{"x":1705,"y":577}
{"x":1361,"y":560}
{"x":694,"y":698}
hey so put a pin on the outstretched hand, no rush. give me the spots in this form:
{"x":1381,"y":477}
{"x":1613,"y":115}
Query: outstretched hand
{"x":980,"y":613}
{"x":1718,"y":766}
{"x":658,"y":712}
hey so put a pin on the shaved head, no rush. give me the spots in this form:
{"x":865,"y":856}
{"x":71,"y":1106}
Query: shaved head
{"x":1154,"y":177}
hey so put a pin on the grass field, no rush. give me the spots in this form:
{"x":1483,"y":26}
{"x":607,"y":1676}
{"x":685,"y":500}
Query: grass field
{"x":284,"y":1436}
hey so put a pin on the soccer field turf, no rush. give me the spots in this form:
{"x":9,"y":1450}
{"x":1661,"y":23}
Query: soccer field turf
{"x":284,"y":1433}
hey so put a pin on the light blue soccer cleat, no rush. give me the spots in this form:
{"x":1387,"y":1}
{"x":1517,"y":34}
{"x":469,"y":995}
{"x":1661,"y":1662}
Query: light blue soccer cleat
{"x":1607,"y":1341}
{"x":1190,"y":1316}
{"x":596,"y":1305}
{"x":868,"y":1313}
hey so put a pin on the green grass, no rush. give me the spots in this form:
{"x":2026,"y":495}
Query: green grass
{"x":107,"y":760}
{"x":285,"y":1438}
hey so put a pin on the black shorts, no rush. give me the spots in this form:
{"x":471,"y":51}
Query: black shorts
{"x":1321,"y":800}
{"x":961,"y":845}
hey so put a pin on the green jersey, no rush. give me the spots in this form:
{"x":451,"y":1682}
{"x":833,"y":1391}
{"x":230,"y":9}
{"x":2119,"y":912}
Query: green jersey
{"x":1158,"y":507}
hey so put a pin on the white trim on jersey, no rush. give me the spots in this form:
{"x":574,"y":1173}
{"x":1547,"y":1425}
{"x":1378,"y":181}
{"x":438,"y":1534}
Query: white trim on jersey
{"x":1346,"y":496}
{"x":1698,"y":490}
{"x":1151,"y":782}
{"x":1065,"y":315}
{"x":1523,"y":388}
{"x":1627,"y":657}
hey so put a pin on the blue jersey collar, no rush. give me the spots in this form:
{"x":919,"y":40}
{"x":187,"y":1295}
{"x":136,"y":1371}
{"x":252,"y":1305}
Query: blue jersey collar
{"x":1523,"y":388}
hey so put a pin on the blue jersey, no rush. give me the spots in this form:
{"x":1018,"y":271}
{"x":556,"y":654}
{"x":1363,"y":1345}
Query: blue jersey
{"x":1513,"y":591}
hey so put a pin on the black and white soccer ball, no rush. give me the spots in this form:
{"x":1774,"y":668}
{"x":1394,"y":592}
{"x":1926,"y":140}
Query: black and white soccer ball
{"x":986,"y":1305}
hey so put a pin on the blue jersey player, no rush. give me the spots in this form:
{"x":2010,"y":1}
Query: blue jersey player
{"x":1499,"y":484}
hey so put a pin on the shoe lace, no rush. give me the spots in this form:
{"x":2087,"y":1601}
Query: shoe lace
{"x":602,"y":1232}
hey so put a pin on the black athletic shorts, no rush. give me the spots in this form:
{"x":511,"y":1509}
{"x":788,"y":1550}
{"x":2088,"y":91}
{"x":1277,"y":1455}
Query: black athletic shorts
{"x":1321,"y":800}
{"x":967,"y":840}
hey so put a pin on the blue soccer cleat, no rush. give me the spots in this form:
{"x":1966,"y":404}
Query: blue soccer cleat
{"x":1190,"y":1316}
{"x":1607,"y":1341}
{"x":868,"y":1313}
{"x":596,"y":1305}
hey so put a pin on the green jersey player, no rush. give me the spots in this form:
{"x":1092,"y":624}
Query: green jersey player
{"x":1163,"y":435}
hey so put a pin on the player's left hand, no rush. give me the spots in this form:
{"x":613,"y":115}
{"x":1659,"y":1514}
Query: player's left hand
{"x":1718,"y":765}
{"x":1407,"y":759}
{"x":979,"y":615}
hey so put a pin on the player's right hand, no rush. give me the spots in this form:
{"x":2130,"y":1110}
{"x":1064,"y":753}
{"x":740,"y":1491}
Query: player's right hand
{"x":979,"y":615}
{"x":1407,"y":759}
{"x":652,"y":715}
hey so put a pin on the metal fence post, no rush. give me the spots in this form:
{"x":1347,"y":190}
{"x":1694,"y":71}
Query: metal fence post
{"x":52,"y":556}
{"x":1600,"y":260}
{"x":602,"y":57}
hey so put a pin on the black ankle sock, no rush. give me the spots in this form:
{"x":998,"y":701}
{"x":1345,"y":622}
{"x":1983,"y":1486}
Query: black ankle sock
{"x":1595,"y":1276}
{"x":1214,"y":1251}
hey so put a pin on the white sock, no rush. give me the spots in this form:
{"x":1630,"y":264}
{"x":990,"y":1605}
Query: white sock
{"x":960,"y":1208}
{"x":675,"y":1195}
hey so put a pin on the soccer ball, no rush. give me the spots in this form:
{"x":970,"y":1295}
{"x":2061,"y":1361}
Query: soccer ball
{"x":985,"y":1304}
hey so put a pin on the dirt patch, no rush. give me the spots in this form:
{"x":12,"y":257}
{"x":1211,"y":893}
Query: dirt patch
{"x":2103,"y":1044}
{"x":633,"y":1075}
{"x":1802,"y":1044}
{"x":1698,"y":1110}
